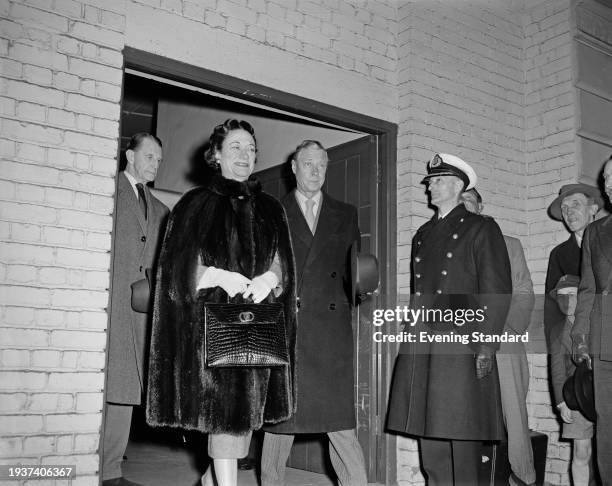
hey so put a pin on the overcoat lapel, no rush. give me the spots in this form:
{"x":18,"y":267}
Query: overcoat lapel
{"x":604,"y":239}
{"x":329,"y":220}
{"x":297,"y":222}
{"x":125,"y":190}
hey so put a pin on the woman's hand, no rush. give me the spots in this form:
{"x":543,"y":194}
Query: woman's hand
{"x":232,"y":282}
{"x":261,"y":286}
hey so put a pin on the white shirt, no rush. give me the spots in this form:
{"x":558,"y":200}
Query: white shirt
{"x":578,"y":240}
{"x":301,"y":199}
{"x":133,"y":182}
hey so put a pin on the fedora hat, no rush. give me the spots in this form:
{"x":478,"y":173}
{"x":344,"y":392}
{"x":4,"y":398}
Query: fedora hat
{"x":364,"y":273}
{"x":141,"y":293}
{"x":567,"y":190}
{"x":578,"y":391}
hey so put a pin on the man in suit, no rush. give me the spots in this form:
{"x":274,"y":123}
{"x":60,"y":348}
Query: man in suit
{"x":139,"y":222}
{"x":576,"y":206}
{"x":592,"y":331}
{"x":446,"y":390}
{"x":512,"y":365}
{"x":322,"y":231}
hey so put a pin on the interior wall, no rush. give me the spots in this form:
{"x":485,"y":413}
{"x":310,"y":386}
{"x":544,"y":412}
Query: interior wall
{"x":185,"y":127}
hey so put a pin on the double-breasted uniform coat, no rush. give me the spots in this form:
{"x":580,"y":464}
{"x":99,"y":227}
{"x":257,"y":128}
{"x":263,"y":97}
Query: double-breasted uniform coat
{"x":325,"y":376}
{"x":459,"y":261}
{"x":137,"y":242}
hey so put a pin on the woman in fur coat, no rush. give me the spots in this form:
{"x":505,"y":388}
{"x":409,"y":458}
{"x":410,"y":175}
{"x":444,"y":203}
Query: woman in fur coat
{"x":225,"y":240}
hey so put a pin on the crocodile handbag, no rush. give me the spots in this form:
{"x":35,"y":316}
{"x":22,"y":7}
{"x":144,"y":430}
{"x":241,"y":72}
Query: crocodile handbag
{"x":244,"y":335}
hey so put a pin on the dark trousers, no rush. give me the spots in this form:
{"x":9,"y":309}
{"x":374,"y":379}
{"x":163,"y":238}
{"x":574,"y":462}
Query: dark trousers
{"x":602,"y":377}
{"x":450,"y":462}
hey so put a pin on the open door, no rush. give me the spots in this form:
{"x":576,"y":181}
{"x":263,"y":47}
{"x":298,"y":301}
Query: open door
{"x":352,"y":178}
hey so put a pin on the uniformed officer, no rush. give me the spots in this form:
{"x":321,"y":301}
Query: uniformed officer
{"x":447,"y":393}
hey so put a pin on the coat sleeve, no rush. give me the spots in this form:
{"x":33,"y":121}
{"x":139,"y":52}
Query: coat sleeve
{"x":586,"y":290}
{"x":558,"y":353}
{"x":523,"y":299}
{"x":553,"y":317}
{"x":494,"y":279}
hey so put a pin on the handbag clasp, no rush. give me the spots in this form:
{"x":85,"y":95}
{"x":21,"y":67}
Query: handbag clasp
{"x":246,"y":316}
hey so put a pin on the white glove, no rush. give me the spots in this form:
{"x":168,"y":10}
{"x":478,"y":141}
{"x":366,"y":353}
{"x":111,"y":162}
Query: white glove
{"x":232,"y":282}
{"x":261,"y":286}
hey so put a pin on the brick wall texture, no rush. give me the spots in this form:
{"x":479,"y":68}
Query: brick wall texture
{"x":489,"y":81}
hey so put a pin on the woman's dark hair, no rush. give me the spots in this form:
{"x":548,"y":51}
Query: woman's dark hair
{"x":218,"y":136}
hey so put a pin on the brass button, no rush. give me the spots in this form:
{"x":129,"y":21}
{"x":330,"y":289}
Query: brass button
{"x":449,"y":254}
{"x":143,"y":239}
{"x":418,"y":275}
{"x":444,"y":272}
{"x":438,"y":291}
{"x":461,"y":220}
{"x":417,"y":293}
{"x":455,"y":236}
{"x":417,"y":259}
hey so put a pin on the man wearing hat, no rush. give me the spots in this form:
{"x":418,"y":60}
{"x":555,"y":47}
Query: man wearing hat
{"x":576,"y":205}
{"x":447,"y":393}
{"x":512,"y":365}
{"x":592,"y":331}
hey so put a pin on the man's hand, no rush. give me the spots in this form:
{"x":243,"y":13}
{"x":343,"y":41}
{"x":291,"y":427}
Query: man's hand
{"x":566,"y":413}
{"x":484,"y":363}
{"x":580,"y":351}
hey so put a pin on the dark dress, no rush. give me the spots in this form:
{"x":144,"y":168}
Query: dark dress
{"x":233,"y":226}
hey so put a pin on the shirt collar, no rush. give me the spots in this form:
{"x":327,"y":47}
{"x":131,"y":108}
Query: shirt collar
{"x":132,"y":181}
{"x":301,"y":198}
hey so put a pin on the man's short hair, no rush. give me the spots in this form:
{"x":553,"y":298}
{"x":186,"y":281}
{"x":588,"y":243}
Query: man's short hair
{"x":139,"y":137}
{"x":306,"y":144}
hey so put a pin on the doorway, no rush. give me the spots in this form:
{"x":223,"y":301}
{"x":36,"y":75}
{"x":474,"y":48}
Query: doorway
{"x":362,"y":173}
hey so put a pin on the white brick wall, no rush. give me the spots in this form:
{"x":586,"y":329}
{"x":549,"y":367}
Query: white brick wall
{"x":61,"y":84}
{"x":491,"y":83}
{"x":550,"y":150}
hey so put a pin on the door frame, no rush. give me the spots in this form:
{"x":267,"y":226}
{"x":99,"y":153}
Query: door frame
{"x":153,"y":64}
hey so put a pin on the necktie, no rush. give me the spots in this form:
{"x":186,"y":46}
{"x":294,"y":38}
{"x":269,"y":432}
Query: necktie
{"x":310,"y":216}
{"x":142,"y":200}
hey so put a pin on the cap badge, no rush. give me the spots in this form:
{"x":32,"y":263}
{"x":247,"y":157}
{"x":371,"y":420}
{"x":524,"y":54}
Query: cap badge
{"x":436,"y":161}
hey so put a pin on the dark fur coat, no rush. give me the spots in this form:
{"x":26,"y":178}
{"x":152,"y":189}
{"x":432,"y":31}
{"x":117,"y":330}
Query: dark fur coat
{"x":233,"y":226}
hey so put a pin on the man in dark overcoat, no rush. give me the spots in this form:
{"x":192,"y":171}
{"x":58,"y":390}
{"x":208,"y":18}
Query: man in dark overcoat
{"x":139,"y":223}
{"x":576,"y":205}
{"x":592,"y":331}
{"x":446,"y":393}
{"x":322,"y":231}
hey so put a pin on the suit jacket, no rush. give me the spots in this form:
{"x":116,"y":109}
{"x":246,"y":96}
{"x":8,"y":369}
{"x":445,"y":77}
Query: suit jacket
{"x":522,"y":302}
{"x":594,"y":307}
{"x":458,"y":262}
{"x":325,"y":377}
{"x":135,"y":249}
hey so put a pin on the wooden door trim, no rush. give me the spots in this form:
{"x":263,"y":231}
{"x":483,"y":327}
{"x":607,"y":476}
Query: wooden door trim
{"x":153,"y":64}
